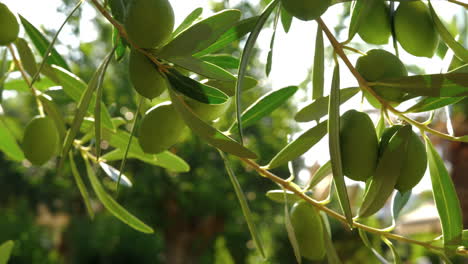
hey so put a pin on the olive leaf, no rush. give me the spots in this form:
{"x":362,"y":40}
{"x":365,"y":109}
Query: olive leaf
{"x":290,"y":229}
{"x":5,"y":251}
{"x":26,"y":55}
{"x":210,"y":134}
{"x":319,"y":107}
{"x":188,"y":21}
{"x":196,"y":90}
{"x":386,"y":174}
{"x":229,"y":88}
{"x":244,"y":205}
{"x":446,"y":199}
{"x":246,"y":53}
{"x":81,"y":186}
{"x":433,"y":103}
{"x":332,"y":255}
{"x":201,"y":35}
{"x":334,"y":145}
{"x":8,"y":143}
{"x":299,"y":146}
{"x":319,"y":65}
{"x":320,"y":174}
{"x":236,"y":32}
{"x":225,"y":61}
{"x":52,"y":111}
{"x":203,"y":68}
{"x":368,"y":244}
{"x":272,"y":44}
{"x":286,"y":19}
{"x":398,"y":203}
{"x":17,"y":83}
{"x":42,"y":45}
{"x":115,"y":175}
{"x":279,"y":196}
{"x":396,"y":256}
{"x":112,"y":206}
{"x":360,"y":11}
{"x":265,"y":105}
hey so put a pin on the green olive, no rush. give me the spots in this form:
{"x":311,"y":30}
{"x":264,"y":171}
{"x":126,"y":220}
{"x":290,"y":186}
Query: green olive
{"x":379,"y":65}
{"x":160,"y":128}
{"x":376,"y":28}
{"x":208,"y":112}
{"x":40,"y":140}
{"x":306,"y":9}
{"x":308,"y":229}
{"x":359,"y":145}
{"x":414,"y":161}
{"x":415,"y":30}
{"x":145,"y":76}
{"x":9,"y":28}
{"x":149,"y":23}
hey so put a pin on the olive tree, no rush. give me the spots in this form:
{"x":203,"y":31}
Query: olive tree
{"x":183,"y":84}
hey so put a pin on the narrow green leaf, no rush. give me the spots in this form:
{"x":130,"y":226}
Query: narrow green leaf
{"x":225,"y":61}
{"x":188,"y":21}
{"x":246,"y":53}
{"x":74,"y":87}
{"x":236,"y":32}
{"x":279,"y":196}
{"x":320,"y":174}
{"x":319,"y":108}
{"x":445,"y":197}
{"x":334,"y":145}
{"x":115,"y":175}
{"x":272,"y":44}
{"x":210,"y":134}
{"x":8,"y":143}
{"x":465,"y":238}
{"x":368,"y":244}
{"x":433,"y":103}
{"x":196,"y":90}
{"x":52,"y":111}
{"x":118,"y":9}
{"x":41,"y":43}
{"x":396,"y":256}
{"x":229,"y":88}
{"x":360,"y":11}
{"x":81,"y":186}
{"x":452,"y":84}
{"x":5,"y":251}
{"x":164,"y":159}
{"x":244,"y":205}
{"x":398,"y":203}
{"x":332,"y":255}
{"x":319,"y":65}
{"x":18,"y":84}
{"x":388,"y":171}
{"x":299,"y":146}
{"x":83,"y":105}
{"x":26,"y":55}
{"x":203,"y":68}
{"x":456,"y":47}
{"x":119,"y":45}
{"x":290,"y":229}
{"x":380,"y":126}
{"x":201,"y":35}
{"x":286,"y":20}
{"x":114,"y":208}
{"x":265,"y":105}
{"x":4,"y":70}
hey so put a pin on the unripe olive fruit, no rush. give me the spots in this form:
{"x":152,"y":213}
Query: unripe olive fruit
{"x":359,"y":145}
{"x":414,"y":160}
{"x":308,"y":229}
{"x":149,"y":23}
{"x":208,"y":112}
{"x":378,"y":65}
{"x":9,"y":27}
{"x":40,"y":140}
{"x":145,"y":76}
{"x":160,"y":128}
{"x":306,"y":9}
{"x":415,"y":30}
{"x":376,"y":29}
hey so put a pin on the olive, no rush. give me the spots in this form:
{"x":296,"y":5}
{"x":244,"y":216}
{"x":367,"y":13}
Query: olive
{"x":149,"y":23}
{"x":414,"y":161}
{"x":308,"y":229}
{"x":208,"y":112}
{"x":9,"y":28}
{"x":160,"y":128}
{"x":376,"y":28}
{"x":40,"y":140}
{"x":379,"y":65}
{"x":306,"y":9}
{"x":359,"y":145}
{"x":415,"y":30}
{"x":145,"y":76}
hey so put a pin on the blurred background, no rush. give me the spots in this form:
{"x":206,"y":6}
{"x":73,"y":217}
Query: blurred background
{"x":196,"y":215}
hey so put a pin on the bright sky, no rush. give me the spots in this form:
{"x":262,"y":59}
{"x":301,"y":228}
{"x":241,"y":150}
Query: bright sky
{"x":293,"y":52}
